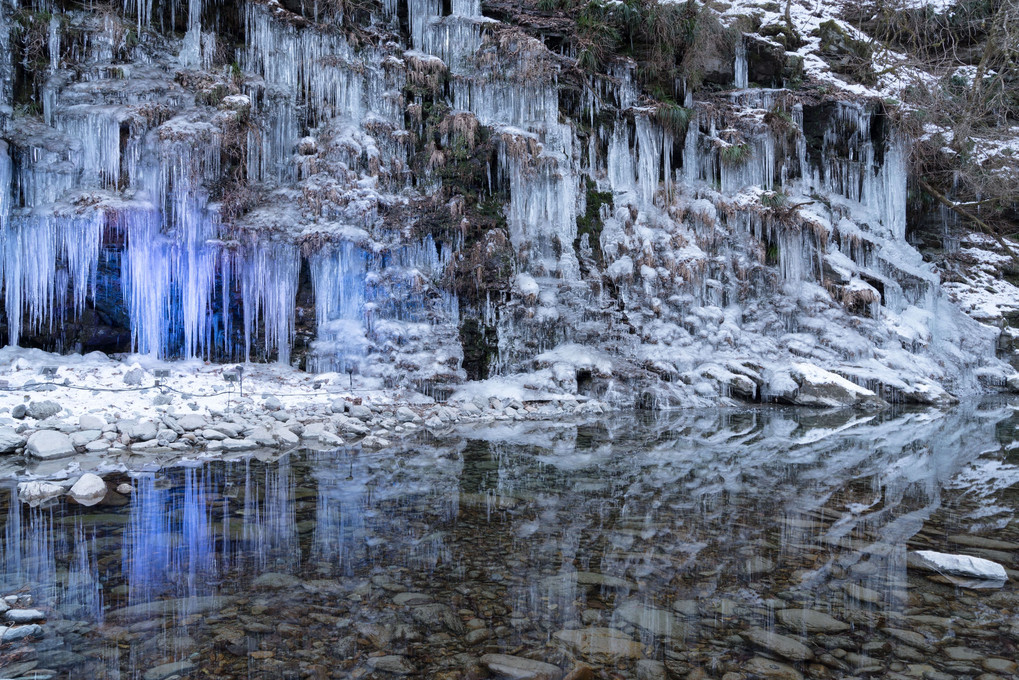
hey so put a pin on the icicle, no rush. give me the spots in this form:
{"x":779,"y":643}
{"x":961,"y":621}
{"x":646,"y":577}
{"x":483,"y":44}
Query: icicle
{"x":268,"y":275}
{"x":191,"y":51}
{"x":649,"y":143}
{"x":54,"y":44}
{"x":691,"y":154}
{"x":97,"y":131}
{"x":740,"y":65}
{"x":621,"y":173}
{"x":34,"y":282}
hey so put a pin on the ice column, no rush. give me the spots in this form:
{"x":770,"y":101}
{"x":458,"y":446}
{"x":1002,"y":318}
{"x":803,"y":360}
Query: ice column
{"x":268,"y":274}
{"x":740,"y":68}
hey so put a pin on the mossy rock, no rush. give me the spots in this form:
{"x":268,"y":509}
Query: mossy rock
{"x":845,"y":54}
{"x":783,"y":35}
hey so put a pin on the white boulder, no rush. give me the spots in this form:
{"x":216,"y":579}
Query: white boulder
{"x":36,"y":492}
{"x":49,"y":444}
{"x":958,"y":565}
{"x":89,"y":489}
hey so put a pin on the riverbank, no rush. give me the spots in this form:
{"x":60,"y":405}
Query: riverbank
{"x":61,"y":414}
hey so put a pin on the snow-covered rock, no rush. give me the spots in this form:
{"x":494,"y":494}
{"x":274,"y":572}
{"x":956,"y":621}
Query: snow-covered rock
{"x":405,"y":415}
{"x":90,"y":489}
{"x":48,"y":444}
{"x":10,"y":441}
{"x":805,"y":384}
{"x":84,"y":437}
{"x":359,"y":411}
{"x":143,"y":430}
{"x":35,"y":492}
{"x":191,"y":422}
{"x":90,"y":421}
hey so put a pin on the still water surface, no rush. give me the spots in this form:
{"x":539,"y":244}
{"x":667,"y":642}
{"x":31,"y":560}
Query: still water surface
{"x":701,"y":545}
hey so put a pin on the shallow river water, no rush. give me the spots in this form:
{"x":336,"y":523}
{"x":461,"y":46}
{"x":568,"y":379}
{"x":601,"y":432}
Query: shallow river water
{"x":746,"y":544}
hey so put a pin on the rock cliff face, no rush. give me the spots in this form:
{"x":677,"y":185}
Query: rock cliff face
{"x":429,"y":192}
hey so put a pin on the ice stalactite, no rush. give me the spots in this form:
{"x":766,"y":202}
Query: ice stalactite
{"x":319,"y":68}
{"x":740,"y":67}
{"x":421,"y":14}
{"x":199,"y":47}
{"x":5,"y":186}
{"x":856,"y":173}
{"x":54,"y":44}
{"x":34,"y":283}
{"x":97,"y":131}
{"x":542,"y":211}
{"x":268,"y":274}
{"x":654,"y":146}
{"x":141,"y":10}
{"x":168,"y":286}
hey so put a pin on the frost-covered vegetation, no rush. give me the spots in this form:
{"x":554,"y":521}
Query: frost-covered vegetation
{"x":654,"y":203}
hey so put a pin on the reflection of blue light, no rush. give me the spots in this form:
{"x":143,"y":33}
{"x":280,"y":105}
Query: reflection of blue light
{"x":30,"y":554}
{"x":171,"y":544}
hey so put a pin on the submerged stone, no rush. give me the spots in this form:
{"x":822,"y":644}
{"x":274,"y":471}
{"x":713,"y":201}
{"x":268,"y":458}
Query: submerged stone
{"x":520,"y":668}
{"x":811,"y":621}
{"x":167,"y":670}
{"x":782,"y":645}
{"x":959,"y":565}
{"x":600,"y":645}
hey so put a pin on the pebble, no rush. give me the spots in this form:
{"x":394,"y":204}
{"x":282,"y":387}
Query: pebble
{"x":274,"y":581}
{"x":769,"y":668}
{"x":863,"y":594}
{"x":996,"y":665}
{"x":648,"y":669}
{"x":963,"y":654}
{"x":655,"y":621}
{"x":600,"y":645}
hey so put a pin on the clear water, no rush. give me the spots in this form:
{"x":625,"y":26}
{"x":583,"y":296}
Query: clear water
{"x":688,"y":535}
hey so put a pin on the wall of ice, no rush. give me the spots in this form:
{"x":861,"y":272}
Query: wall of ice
{"x":265,"y":182}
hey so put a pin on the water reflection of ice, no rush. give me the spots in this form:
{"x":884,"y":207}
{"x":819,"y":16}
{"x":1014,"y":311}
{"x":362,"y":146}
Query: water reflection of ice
{"x":639,"y":515}
{"x":707,"y":494}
